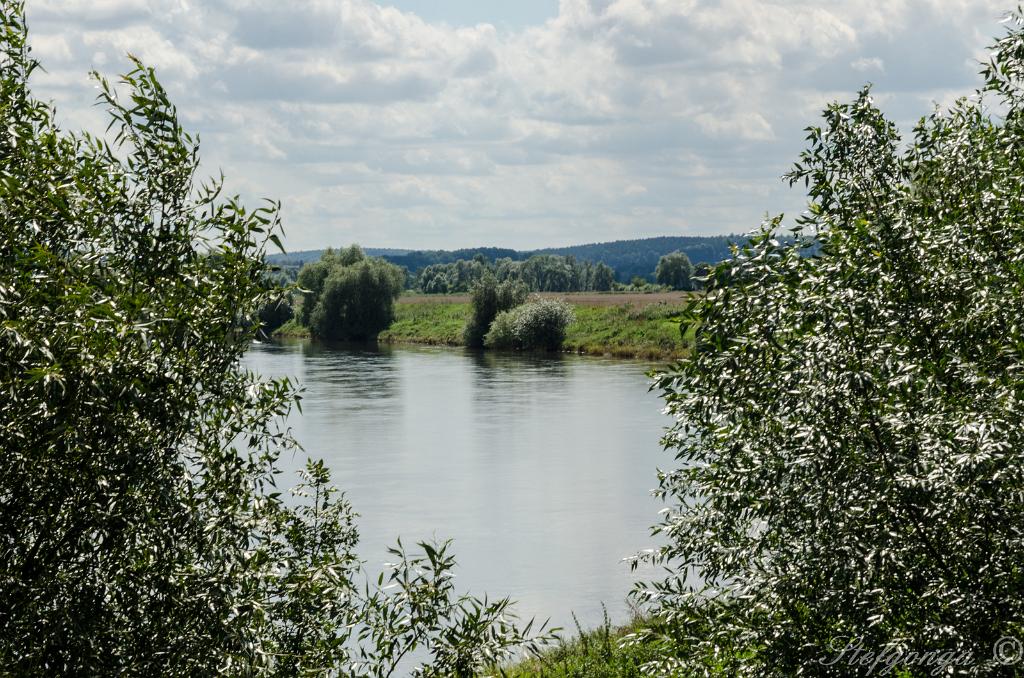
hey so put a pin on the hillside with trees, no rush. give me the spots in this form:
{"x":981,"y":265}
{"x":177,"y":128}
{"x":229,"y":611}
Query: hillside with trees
{"x":628,"y":258}
{"x":640,"y":257}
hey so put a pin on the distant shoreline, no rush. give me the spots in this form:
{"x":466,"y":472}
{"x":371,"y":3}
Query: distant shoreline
{"x":621,"y":325}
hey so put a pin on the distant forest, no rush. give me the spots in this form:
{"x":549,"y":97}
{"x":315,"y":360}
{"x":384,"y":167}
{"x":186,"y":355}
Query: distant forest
{"x":629,"y":258}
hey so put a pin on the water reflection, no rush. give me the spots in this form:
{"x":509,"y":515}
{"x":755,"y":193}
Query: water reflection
{"x":352,"y":373}
{"x":539,"y":467}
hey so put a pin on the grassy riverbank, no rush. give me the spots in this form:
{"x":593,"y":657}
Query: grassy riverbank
{"x":428,"y":320}
{"x":622,"y":325}
{"x":592,"y":654}
{"x":626,"y":325}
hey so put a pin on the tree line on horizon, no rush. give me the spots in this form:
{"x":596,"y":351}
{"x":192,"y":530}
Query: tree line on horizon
{"x":539,"y":273}
{"x":629,"y":259}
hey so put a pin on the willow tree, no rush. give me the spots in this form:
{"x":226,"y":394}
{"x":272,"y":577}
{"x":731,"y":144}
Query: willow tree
{"x":850,"y":423}
{"x":349,"y":296}
{"x":675,"y":271}
{"x":140,"y":529}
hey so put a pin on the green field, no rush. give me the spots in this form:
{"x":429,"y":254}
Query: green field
{"x":628,"y":326}
{"x":628,"y":330}
{"x":292,"y":330}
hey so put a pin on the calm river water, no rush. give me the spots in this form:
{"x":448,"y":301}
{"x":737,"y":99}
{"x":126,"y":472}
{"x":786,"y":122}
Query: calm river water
{"x":539,"y":468}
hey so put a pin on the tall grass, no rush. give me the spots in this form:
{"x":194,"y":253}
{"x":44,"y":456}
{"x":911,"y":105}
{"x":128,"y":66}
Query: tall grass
{"x":598,"y":653}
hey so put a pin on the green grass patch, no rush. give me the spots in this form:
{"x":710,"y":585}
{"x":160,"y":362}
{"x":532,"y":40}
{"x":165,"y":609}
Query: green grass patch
{"x":428,"y":322}
{"x":629,"y":330}
{"x":292,"y":329}
{"x":599,"y":653}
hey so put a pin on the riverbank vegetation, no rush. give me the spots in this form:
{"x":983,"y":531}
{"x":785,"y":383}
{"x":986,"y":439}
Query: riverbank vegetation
{"x":347,"y":296}
{"x":604,"y":652}
{"x":645,"y":326}
{"x":537,"y":325}
{"x":490,"y":298}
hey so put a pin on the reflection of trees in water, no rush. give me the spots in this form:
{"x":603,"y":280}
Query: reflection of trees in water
{"x":311,"y":348}
{"x":490,"y":363}
{"x":273,"y":346}
{"x":353,"y":371}
{"x":516,"y":379}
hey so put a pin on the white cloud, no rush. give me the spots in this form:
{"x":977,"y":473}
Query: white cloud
{"x":51,"y":49}
{"x":148,"y":44}
{"x":748,"y":126}
{"x":867,"y":64}
{"x":617,"y":118}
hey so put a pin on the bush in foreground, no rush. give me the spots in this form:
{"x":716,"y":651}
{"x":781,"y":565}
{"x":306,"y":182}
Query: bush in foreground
{"x":604,"y":652}
{"x":141,"y":532}
{"x":851,"y":424}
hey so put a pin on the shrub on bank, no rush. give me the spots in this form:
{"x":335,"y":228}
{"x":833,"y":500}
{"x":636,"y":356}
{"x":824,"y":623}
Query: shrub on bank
{"x":503,"y":331}
{"x":541,"y":324}
{"x":538,"y":325}
{"x":490,"y":298}
{"x":349,"y":296}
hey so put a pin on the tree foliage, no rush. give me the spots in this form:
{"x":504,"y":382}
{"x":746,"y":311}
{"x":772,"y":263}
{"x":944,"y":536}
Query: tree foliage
{"x":275,"y":313}
{"x":536,"y":325}
{"x":675,"y":271}
{"x":850,"y":428}
{"x":141,"y":532}
{"x":626,"y":258}
{"x":540,"y":273}
{"x":629,"y":258}
{"x":451,"y":278}
{"x":700,"y":274}
{"x":489,"y":299}
{"x":418,"y":260}
{"x":349,"y":296}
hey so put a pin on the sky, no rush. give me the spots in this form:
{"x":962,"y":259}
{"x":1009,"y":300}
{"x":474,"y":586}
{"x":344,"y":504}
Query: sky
{"x":429,"y":124}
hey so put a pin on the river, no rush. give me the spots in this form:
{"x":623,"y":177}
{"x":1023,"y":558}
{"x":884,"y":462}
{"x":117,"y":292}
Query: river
{"x":538,"y":467}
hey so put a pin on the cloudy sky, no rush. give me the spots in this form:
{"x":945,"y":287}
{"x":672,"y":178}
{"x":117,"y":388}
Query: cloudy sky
{"x":525,"y":123}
